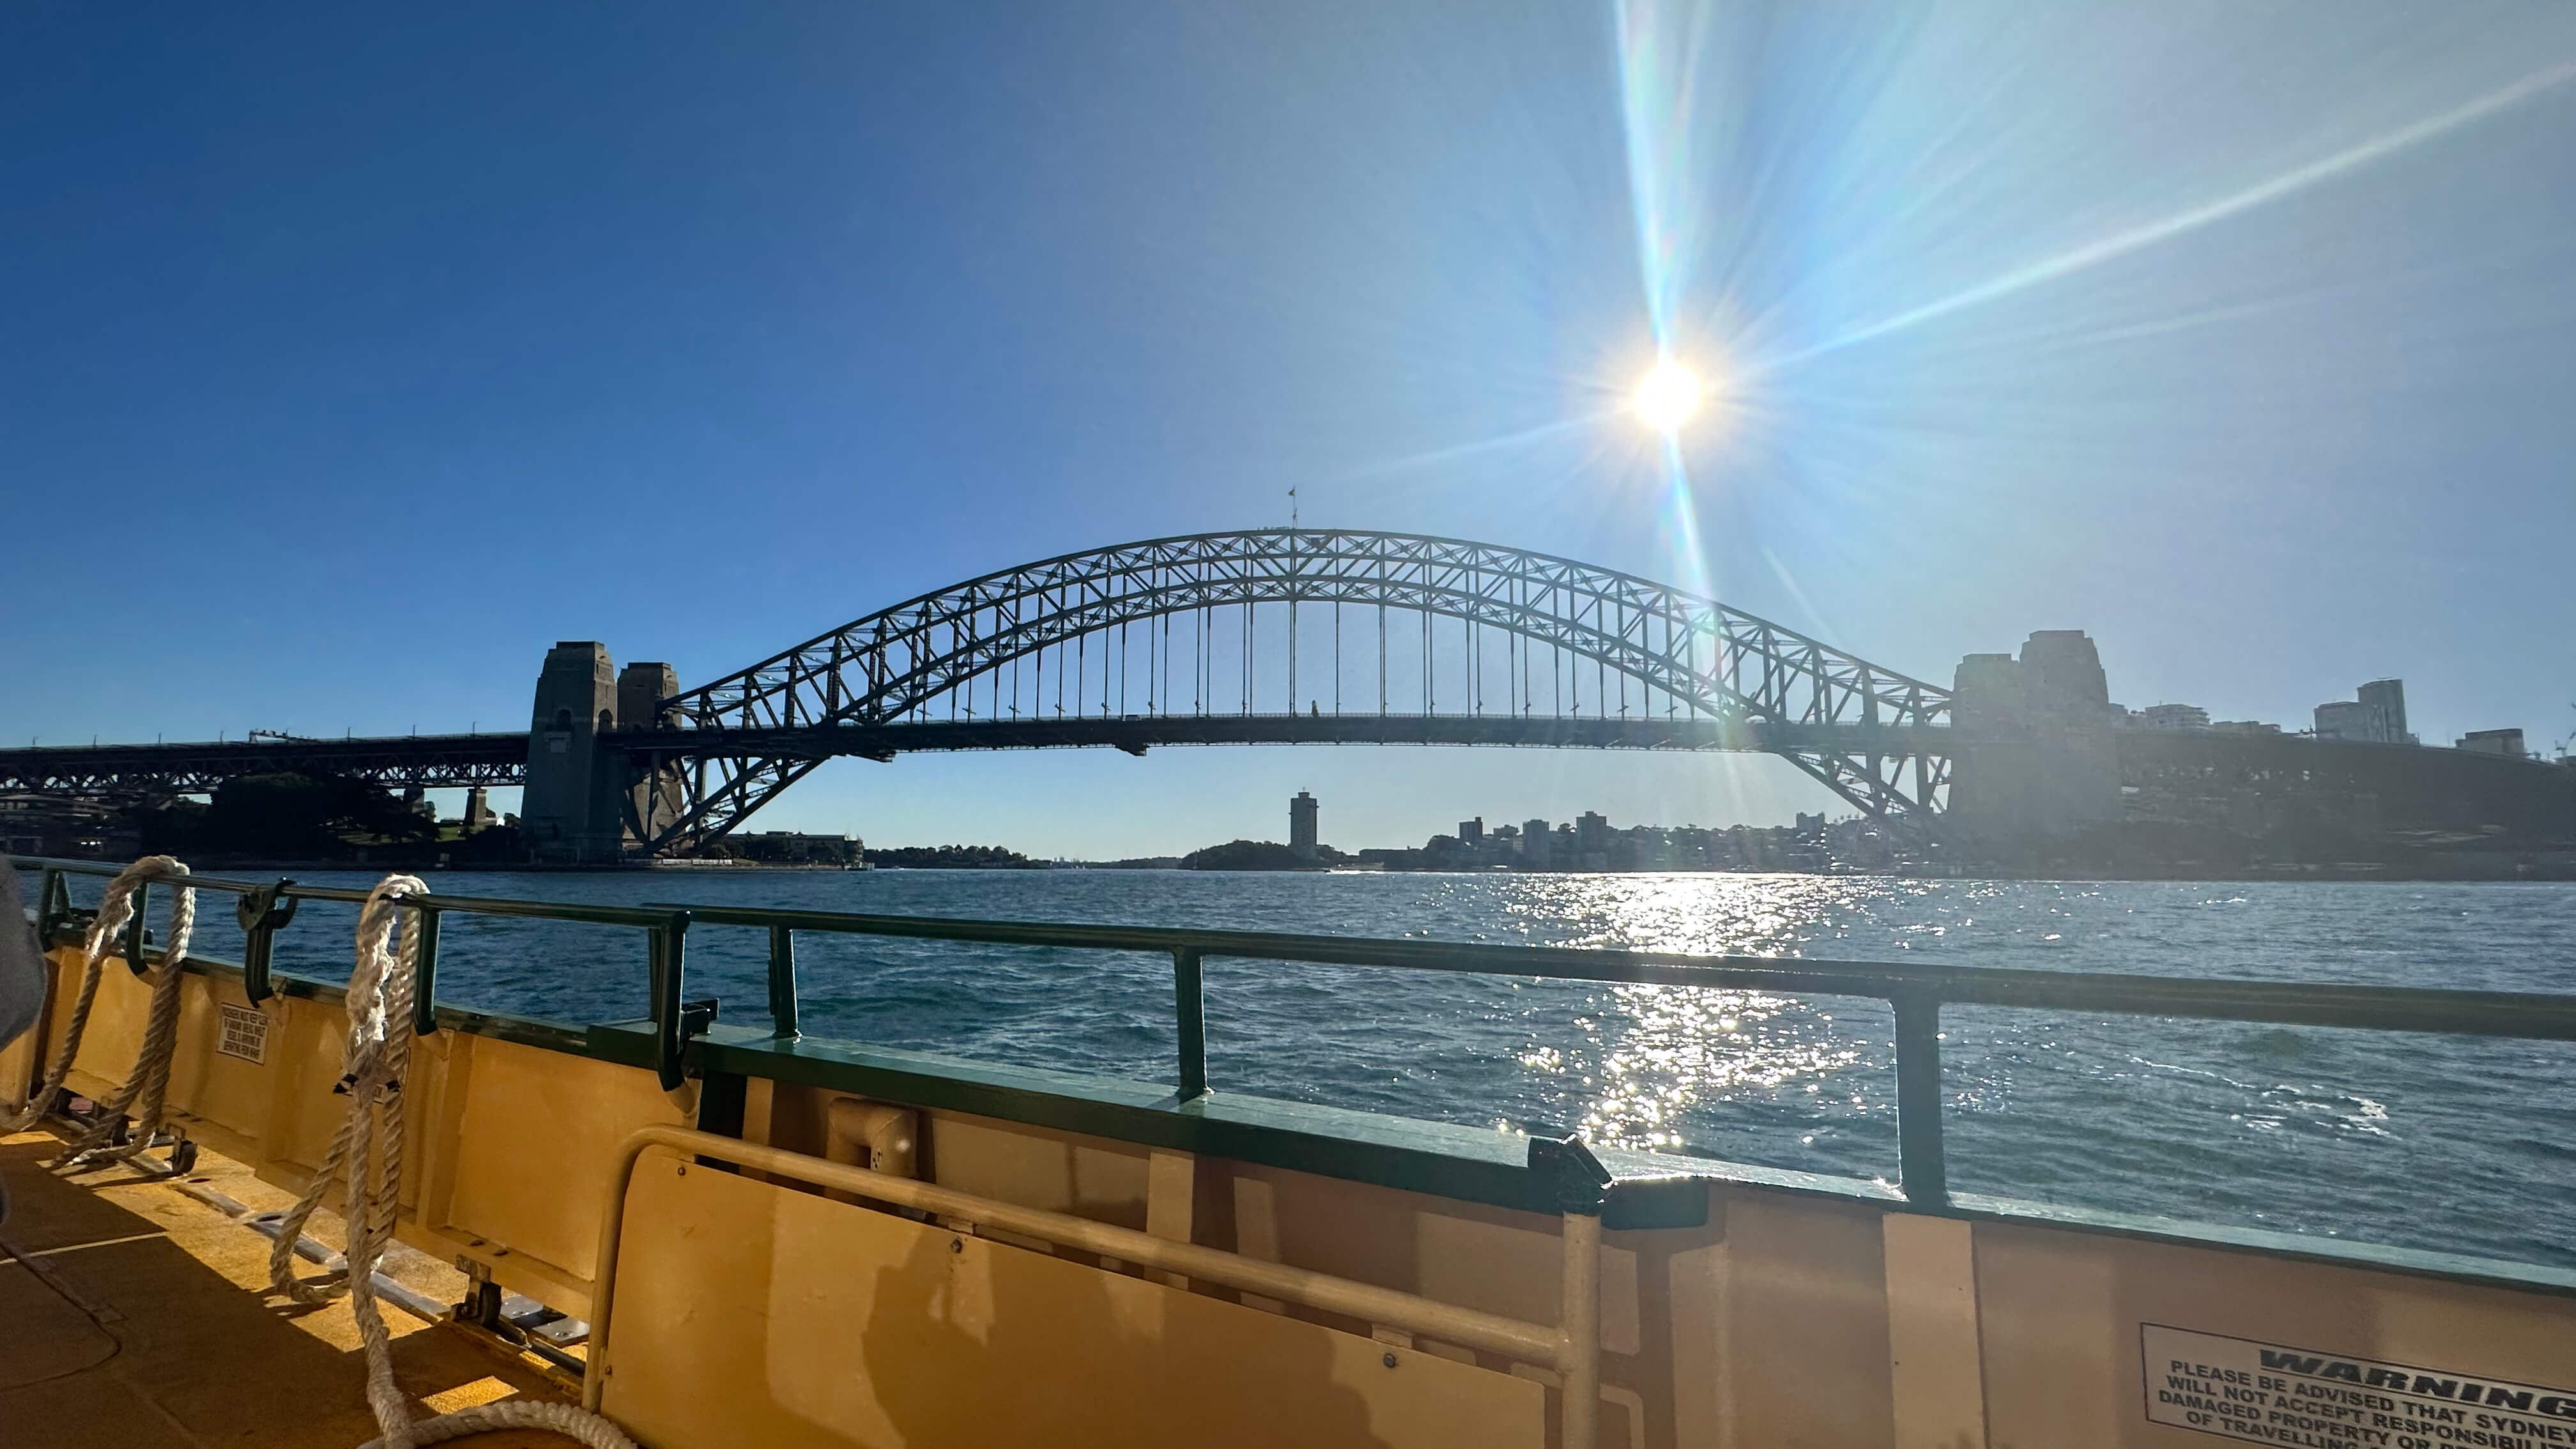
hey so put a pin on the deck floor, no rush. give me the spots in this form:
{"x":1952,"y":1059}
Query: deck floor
{"x":130,"y":1316}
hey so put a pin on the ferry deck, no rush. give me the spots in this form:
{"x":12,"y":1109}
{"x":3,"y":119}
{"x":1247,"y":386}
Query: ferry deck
{"x":719,"y":1231}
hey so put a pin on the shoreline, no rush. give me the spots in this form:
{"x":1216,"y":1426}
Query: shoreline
{"x":2499,"y":872}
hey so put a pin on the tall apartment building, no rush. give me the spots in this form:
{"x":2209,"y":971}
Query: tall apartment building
{"x":1591,"y":832}
{"x":2386,"y":698}
{"x":1301,"y":824}
{"x":2173,"y":717}
{"x":2378,"y":716}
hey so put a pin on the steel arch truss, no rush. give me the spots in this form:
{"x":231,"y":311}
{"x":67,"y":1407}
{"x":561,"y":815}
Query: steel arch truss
{"x":148,"y":771}
{"x":1698,"y":655}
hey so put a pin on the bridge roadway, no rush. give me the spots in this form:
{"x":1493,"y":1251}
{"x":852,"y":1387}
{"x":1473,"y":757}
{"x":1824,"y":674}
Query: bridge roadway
{"x":430,"y":761}
{"x":2171,"y":775}
{"x":497,"y":759}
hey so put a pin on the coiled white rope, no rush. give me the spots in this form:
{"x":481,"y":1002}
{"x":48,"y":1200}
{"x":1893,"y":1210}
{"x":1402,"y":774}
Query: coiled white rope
{"x":367,"y":1152}
{"x":150,"y":1079}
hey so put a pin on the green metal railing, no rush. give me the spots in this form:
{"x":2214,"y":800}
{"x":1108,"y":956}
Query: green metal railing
{"x":1916,"y":992}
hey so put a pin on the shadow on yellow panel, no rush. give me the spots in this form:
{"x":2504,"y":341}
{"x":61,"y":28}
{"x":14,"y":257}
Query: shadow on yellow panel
{"x":860,"y":1327}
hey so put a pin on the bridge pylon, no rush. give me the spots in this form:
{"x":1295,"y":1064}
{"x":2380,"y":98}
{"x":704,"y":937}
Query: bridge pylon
{"x":571,"y":812}
{"x":651,"y":791}
{"x":2038,"y":758}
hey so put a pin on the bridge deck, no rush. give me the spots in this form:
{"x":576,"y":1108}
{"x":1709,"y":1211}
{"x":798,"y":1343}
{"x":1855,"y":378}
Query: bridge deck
{"x":456,"y":761}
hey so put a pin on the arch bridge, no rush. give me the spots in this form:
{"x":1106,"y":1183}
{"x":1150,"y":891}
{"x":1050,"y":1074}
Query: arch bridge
{"x":1264,"y":636}
{"x":1293,"y":635}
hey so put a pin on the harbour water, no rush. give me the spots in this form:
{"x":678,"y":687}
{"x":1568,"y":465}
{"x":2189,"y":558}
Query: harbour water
{"x":2441,"y":1143}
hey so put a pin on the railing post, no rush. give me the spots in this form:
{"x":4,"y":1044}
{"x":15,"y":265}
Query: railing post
{"x":1922,"y":1168}
{"x":1580,"y":1325}
{"x":1579,"y":1186}
{"x":261,"y":913}
{"x":669,"y":958}
{"x":424,"y":981}
{"x":782,"y":981}
{"x":1189,"y":1001}
{"x":136,"y":937}
{"x":53,"y":904}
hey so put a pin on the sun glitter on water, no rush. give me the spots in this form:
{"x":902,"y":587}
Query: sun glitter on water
{"x":1667,"y":396}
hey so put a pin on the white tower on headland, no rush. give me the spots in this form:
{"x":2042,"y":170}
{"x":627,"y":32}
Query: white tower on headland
{"x":1301,"y":824}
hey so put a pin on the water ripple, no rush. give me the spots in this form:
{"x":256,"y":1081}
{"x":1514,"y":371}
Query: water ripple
{"x":2447,"y":1143}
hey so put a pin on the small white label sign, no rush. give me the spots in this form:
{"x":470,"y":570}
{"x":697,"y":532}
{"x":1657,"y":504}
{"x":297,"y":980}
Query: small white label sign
{"x":2273,"y":1393}
{"x":245,"y":1033}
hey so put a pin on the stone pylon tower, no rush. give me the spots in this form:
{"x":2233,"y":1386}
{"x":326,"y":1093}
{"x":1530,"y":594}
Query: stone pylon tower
{"x":572,"y":811}
{"x":652,"y":800}
{"x":2035,"y":759}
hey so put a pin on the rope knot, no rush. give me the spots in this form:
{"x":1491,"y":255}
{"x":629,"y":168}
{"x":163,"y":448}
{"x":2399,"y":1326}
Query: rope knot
{"x":149,"y":1084}
{"x":366,"y":1155}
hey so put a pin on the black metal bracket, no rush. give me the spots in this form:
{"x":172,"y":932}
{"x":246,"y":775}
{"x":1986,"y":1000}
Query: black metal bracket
{"x":1576,"y":1181}
{"x":481,"y":1307}
{"x":261,"y":912}
{"x":667,"y":966}
{"x":697,"y":1016}
{"x":53,"y":908}
{"x":137,"y":934}
{"x":424,"y":981}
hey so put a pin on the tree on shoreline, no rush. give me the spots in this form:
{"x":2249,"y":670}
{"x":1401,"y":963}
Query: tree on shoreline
{"x":1248,"y":855}
{"x":950,"y":857}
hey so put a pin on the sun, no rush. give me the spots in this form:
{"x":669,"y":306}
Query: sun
{"x":1667,"y":396}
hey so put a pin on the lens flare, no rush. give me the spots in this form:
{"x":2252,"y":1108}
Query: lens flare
{"x":1668,"y":395}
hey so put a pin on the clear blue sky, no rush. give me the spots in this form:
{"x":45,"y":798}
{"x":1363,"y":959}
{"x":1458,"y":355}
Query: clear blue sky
{"x":353,"y":356}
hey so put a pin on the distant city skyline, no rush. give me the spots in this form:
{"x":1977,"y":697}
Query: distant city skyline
{"x":361,"y":356}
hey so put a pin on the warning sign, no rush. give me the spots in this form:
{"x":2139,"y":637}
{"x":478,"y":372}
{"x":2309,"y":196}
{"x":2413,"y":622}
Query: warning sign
{"x":2271,"y":1393}
{"x":245,"y":1033}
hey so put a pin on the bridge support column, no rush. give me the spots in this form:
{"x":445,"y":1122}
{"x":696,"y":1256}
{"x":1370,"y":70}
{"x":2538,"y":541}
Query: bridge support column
{"x":573,"y":811}
{"x":2037,"y":760}
{"x":653,"y":800}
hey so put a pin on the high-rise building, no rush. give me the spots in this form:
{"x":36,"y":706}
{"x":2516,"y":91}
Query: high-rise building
{"x":2173,"y":717}
{"x":1591,"y":832}
{"x":2507,"y":743}
{"x":2377,"y":717}
{"x":2387,"y":699}
{"x":1301,"y":824}
{"x":1472,"y":831}
{"x":1535,"y":840}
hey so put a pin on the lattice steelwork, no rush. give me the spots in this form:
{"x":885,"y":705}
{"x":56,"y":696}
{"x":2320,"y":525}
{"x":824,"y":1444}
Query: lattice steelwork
{"x":992,"y":648}
{"x":146,"y":771}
